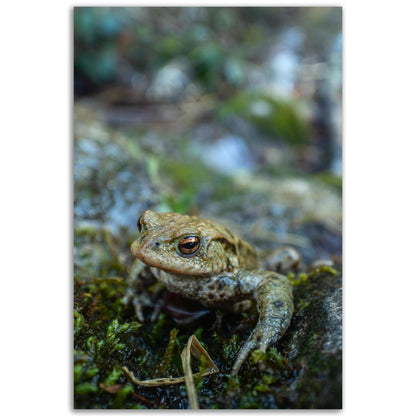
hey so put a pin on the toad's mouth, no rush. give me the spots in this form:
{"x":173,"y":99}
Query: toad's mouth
{"x":178,"y":266}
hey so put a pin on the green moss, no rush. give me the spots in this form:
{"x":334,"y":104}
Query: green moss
{"x":121,"y":396}
{"x":168,"y":355}
{"x":323,"y":269}
{"x":82,"y":389}
{"x":113,"y":377}
{"x":107,"y":336}
{"x":303,"y":305}
{"x":329,"y":179}
{"x":301,"y":279}
{"x":265,"y":384}
{"x":271,"y":116}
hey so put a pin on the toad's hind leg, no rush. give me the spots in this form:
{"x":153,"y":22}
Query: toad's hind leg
{"x":275,"y":305}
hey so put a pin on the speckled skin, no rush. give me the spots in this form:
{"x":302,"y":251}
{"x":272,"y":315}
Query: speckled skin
{"x":223,"y":271}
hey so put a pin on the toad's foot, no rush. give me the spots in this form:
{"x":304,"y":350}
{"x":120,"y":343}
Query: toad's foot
{"x":139,"y":278}
{"x":275,"y":304}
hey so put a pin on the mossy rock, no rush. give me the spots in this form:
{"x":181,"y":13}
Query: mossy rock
{"x":303,"y":370}
{"x":273,"y":117}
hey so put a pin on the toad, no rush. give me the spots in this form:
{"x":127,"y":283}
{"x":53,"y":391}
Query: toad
{"x":205,"y":262}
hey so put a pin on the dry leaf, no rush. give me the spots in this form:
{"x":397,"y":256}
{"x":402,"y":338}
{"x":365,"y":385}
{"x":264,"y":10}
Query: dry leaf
{"x":115,"y":388}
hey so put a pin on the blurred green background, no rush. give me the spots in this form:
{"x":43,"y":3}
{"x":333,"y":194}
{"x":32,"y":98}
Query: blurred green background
{"x":233,"y":91}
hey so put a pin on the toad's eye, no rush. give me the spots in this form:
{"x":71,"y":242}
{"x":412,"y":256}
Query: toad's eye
{"x":140,"y":223}
{"x":189,"y":245}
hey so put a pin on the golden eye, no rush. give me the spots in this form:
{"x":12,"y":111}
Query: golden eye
{"x":140,"y":223}
{"x":189,"y":245}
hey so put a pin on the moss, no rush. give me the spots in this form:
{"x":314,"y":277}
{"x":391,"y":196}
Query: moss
{"x":300,"y":279}
{"x":292,"y":374}
{"x":329,"y":178}
{"x":104,"y":343}
{"x":168,"y":355}
{"x":271,"y":116}
{"x":323,"y":269}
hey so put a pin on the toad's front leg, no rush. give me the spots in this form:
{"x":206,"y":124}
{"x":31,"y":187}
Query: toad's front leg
{"x":273,"y":295}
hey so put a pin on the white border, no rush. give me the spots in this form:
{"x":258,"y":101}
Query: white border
{"x":36,"y":170}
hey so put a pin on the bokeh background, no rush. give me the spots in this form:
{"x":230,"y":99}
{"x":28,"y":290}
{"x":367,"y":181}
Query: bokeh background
{"x":234,"y":114}
{"x":224,"y":91}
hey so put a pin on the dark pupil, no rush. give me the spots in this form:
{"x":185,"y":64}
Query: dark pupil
{"x":189,"y":245}
{"x":139,"y":224}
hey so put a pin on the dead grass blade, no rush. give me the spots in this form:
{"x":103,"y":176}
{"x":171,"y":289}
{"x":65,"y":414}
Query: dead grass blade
{"x":193,"y":347}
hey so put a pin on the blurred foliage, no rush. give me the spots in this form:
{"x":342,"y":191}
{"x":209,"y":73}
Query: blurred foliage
{"x":130,"y":45}
{"x":273,"y":117}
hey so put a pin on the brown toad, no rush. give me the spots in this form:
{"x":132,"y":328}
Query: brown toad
{"x":205,"y":262}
